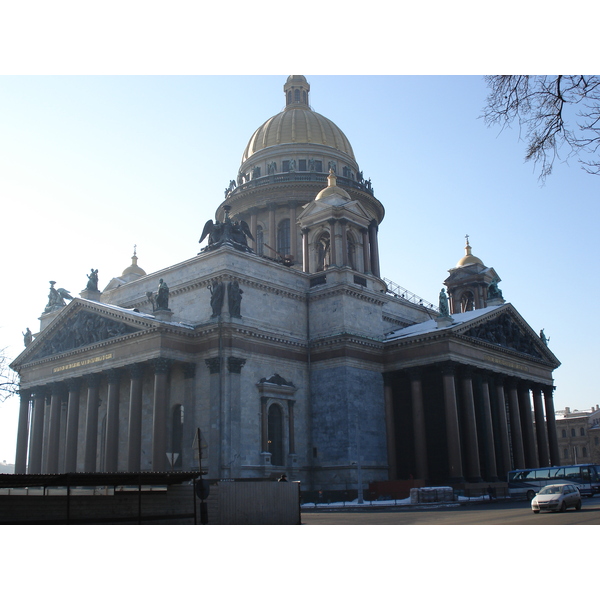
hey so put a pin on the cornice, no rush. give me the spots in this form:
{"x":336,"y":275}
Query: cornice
{"x":346,"y":290}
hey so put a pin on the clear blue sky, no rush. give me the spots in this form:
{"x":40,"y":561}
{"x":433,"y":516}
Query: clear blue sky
{"x":91,"y":165}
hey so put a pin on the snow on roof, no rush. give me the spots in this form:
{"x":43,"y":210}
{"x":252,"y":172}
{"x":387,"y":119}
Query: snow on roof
{"x":432,"y":325}
{"x":137,"y":313}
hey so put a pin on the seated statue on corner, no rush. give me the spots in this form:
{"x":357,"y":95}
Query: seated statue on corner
{"x":56,"y":298}
{"x":227,"y":232}
{"x":92,"y":284}
{"x":494,"y":291}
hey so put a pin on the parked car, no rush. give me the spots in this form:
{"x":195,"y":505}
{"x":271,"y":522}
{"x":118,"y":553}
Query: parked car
{"x":557,"y":497}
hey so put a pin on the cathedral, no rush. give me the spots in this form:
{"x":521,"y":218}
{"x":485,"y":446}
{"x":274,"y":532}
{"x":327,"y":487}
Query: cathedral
{"x":280,"y":348}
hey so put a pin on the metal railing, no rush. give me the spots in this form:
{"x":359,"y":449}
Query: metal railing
{"x":393,"y":289}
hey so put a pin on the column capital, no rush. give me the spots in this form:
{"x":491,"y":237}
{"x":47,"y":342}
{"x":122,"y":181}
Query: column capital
{"x":161,"y":365}
{"x":467,"y":371}
{"x":512,"y":382}
{"x":57,"y":388}
{"x":39,"y":391}
{"x":74,"y":384}
{"x":92,"y":380}
{"x":448,"y":368}
{"x":235,"y":364}
{"x":113,"y":375}
{"x":414,"y":373}
{"x":25,"y":395}
{"x":136,"y":370}
{"x":213,"y":364}
{"x":499,"y":379}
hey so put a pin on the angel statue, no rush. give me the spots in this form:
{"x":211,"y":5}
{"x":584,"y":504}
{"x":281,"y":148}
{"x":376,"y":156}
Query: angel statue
{"x":228,"y":232}
{"x":56,"y":298}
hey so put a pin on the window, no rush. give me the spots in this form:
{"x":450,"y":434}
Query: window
{"x":581,"y":431}
{"x":572,"y":433}
{"x":285,"y":165}
{"x":319,"y":166}
{"x":275,"y":434}
{"x":596,"y":441}
{"x":584,"y":452}
{"x":566,"y":453}
{"x":283,"y":237}
{"x":302,"y":164}
{"x":467,"y":302}
{"x":259,"y":240}
{"x":296,"y":95}
{"x":564,"y":433}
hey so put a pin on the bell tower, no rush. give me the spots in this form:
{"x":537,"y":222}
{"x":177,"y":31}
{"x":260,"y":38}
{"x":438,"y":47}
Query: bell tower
{"x":471,"y":285}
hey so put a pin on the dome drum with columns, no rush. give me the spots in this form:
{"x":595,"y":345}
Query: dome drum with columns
{"x":285,"y":164}
{"x":295,"y":365}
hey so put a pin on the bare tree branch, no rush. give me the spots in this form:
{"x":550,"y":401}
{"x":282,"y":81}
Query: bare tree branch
{"x":9,"y":380}
{"x":558,"y":116}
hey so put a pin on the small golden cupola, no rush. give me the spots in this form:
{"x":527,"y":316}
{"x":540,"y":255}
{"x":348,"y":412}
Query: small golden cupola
{"x":471,"y":285}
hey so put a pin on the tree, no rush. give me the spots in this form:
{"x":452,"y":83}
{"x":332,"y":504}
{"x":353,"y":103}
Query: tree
{"x":559,"y":112}
{"x":9,"y":381}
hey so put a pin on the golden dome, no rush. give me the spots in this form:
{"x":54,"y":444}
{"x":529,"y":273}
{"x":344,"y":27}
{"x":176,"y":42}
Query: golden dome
{"x":332,"y":188}
{"x":468,"y":258}
{"x":297,"y":123}
{"x":133,"y":268}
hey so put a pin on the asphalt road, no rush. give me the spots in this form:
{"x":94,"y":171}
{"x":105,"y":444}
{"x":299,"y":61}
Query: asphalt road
{"x":500,"y":513}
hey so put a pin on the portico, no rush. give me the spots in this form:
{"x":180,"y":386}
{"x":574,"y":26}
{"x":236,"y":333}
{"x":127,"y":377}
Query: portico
{"x":487,"y":408}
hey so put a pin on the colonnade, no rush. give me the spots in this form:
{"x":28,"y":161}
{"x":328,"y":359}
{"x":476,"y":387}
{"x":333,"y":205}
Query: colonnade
{"x":53,"y":447}
{"x":489,"y":428}
{"x":338,"y":230}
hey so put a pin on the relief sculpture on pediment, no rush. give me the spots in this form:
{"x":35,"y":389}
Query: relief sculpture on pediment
{"x":505,"y":332}
{"x":82,"y":329}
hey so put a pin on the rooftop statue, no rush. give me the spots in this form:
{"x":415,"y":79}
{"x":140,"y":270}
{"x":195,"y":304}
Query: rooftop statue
{"x":92,"y":284}
{"x":162,"y":296}
{"x":56,"y":298}
{"x":444,"y":310}
{"x":228,"y":232}
{"x":494,"y":291}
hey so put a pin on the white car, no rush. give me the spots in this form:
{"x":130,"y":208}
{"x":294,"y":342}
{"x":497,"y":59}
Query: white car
{"x":558,"y":496}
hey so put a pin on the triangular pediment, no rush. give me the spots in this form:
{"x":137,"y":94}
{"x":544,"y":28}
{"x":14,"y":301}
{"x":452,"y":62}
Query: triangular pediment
{"x":507,"y":329}
{"x":337,"y":207}
{"x":82,"y":323}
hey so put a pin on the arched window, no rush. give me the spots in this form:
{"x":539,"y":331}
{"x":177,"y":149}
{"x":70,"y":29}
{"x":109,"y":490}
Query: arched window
{"x":564,"y":433}
{"x":584,"y":452}
{"x":296,"y":95}
{"x":322,"y":248}
{"x":581,"y":431}
{"x":304,"y":97}
{"x":572,"y":433}
{"x":177,"y":434}
{"x":289,"y":97}
{"x":283,"y":237}
{"x":259,"y":240}
{"x":275,"y":434}
{"x":566,"y":453}
{"x":467,"y":302}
